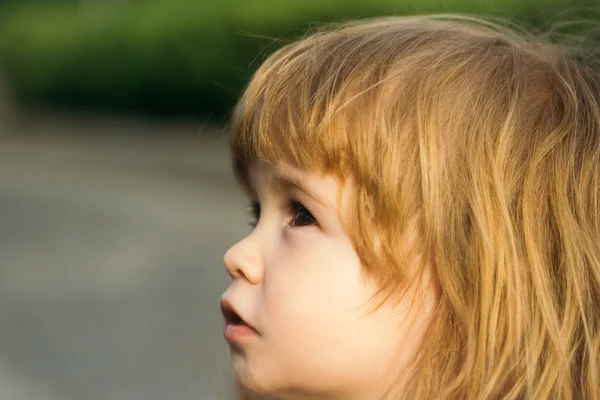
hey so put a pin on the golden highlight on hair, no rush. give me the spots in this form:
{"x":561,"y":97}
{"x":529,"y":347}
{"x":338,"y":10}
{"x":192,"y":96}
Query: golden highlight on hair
{"x":482,"y":142}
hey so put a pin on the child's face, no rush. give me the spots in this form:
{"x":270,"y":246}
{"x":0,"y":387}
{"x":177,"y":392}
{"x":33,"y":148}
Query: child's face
{"x":297,"y":281}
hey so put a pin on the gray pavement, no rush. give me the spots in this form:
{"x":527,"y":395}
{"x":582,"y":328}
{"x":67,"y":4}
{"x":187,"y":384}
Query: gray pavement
{"x":111,"y":242}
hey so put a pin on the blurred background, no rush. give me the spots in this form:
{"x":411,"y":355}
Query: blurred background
{"x":116,"y":198}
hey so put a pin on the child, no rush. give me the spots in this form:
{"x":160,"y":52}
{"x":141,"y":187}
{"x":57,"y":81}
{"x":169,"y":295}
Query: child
{"x":426,"y":201}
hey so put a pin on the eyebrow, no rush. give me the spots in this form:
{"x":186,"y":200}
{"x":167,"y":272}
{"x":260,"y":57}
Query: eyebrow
{"x":281,"y":182}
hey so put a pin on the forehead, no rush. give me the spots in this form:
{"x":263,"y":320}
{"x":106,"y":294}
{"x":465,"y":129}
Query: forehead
{"x":325,"y":189}
{"x":265,"y":175}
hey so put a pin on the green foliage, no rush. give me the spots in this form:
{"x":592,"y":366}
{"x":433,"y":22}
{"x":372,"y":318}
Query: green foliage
{"x":181,"y":57}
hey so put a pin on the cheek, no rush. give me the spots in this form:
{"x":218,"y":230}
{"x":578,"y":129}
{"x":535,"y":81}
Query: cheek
{"x":313,"y":279}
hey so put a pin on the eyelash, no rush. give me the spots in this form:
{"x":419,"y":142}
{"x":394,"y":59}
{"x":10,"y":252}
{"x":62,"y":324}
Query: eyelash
{"x":292,"y":207}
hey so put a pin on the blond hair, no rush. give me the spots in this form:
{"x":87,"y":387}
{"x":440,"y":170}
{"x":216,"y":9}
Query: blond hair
{"x":484,"y":141}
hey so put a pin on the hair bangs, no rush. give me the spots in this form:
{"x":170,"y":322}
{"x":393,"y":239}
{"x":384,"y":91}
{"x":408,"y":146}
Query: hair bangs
{"x":298,"y":109}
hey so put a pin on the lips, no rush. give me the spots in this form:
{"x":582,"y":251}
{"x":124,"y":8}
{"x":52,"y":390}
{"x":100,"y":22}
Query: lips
{"x":232,"y":316}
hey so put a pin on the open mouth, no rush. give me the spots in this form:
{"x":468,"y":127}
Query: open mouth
{"x":236,"y":329}
{"x":232,"y":317}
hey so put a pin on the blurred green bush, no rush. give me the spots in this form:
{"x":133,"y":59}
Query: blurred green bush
{"x":182,"y":57}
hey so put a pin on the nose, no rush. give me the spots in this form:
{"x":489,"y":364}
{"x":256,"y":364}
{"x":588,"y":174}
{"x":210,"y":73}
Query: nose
{"x":242,"y":261}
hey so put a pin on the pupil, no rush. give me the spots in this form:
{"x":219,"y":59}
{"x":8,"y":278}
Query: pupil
{"x":300,"y":217}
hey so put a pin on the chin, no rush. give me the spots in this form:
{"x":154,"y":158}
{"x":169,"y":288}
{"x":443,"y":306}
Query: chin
{"x":254,"y":383}
{"x":251,"y":387}
{"x":248,"y":380}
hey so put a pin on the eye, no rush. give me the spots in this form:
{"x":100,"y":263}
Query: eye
{"x":254,"y":211}
{"x":300,"y":215}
